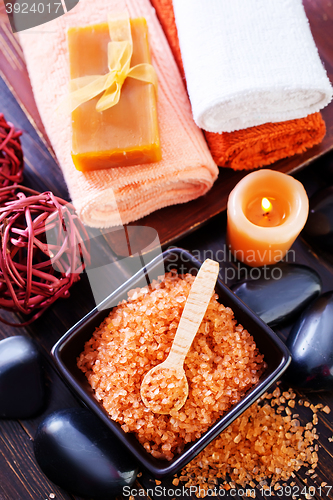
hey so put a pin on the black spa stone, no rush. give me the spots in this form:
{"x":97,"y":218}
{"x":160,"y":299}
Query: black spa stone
{"x":324,"y":168}
{"x":76,"y":451}
{"x":318,"y":230}
{"x":22,"y":386}
{"x":281,"y":292}
{"x":311,"y":345}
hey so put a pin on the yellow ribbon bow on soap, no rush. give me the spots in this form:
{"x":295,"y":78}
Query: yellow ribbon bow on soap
{"x":120,"y":51}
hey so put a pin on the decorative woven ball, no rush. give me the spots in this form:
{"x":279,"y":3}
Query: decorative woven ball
{"x":44,"y":248}
{"x":11,"y":157}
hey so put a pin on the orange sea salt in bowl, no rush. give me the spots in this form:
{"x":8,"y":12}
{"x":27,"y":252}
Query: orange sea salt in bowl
{"x":222,"y":364}
{"x":233,"y":359}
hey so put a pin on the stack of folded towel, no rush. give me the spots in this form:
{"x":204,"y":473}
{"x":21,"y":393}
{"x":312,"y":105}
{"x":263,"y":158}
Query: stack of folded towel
{"x":105,"y":198}
{"x":252,"y":71}
{"x":254,"y":78}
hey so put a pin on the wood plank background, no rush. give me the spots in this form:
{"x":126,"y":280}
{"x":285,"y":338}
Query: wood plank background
{"x":166,"y":221}
{"x":20,"y":476}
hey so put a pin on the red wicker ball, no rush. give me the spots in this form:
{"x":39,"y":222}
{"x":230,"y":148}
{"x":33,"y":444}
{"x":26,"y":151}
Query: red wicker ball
{"x":11,"y":157}
{"x":44,"y":248}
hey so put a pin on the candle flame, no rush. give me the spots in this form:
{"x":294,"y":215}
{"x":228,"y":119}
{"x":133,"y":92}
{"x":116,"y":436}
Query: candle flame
{"x":266,"y":204}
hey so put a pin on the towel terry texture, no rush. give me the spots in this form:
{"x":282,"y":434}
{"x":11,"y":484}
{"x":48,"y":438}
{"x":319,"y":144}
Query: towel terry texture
{"x":106,"y":198}
{"x":249,"y":63}
{"x":255,"y":146}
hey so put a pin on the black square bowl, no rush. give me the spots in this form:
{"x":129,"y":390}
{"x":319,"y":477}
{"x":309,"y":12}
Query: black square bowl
{"x":69,"y":347}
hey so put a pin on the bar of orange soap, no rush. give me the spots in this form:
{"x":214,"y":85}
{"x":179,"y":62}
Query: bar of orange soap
{"x":127,"y":133}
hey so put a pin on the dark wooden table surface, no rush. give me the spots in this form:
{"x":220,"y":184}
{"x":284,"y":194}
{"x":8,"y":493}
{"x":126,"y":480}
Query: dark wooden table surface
{"x":20,"y":476}
{"x":194,"y":213}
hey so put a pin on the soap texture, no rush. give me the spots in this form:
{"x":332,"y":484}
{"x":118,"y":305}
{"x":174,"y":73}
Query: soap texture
{"x":124,"y":134}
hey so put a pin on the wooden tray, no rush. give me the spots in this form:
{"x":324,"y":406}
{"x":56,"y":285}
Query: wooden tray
{"x":167,"y":222}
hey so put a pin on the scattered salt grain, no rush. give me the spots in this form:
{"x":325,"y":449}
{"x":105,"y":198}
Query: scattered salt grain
{"x":260,"y":447}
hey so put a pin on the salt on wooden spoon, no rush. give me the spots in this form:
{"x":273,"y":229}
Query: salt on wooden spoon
{"x":164,"y":388}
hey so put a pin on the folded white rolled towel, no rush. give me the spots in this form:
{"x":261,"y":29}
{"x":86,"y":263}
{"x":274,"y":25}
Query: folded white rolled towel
{"x":249,"y":62}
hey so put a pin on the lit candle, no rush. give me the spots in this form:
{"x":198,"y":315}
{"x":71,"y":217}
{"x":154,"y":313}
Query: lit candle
{"x":266,"y":212}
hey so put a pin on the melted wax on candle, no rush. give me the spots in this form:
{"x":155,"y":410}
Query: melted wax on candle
{"x":265,"y":212}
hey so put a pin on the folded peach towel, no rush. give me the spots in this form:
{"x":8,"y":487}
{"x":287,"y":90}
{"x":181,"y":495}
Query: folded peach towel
{"x":255,"y":146}
{"x":106,"y":198}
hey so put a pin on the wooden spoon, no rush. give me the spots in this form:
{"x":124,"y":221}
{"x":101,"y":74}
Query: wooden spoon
{"x":164,"y":388}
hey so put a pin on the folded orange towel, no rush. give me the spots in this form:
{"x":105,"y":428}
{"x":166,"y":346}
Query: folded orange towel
{"x":110,"y":197}
{"x":258,"y":146}
{"x":255,"y":146}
